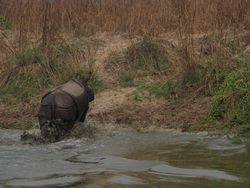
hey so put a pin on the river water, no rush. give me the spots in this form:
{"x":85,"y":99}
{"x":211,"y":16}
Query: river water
{"x":125,"y":158}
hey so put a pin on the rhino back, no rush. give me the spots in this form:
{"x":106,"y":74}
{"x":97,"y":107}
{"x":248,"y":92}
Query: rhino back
{"x":57,"y":98}
{"x":57,"y":105}
{"x":78,"y":94}
{"x":63,"y":100}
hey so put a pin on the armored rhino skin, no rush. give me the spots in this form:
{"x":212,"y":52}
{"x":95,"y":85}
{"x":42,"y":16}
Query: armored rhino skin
{"x":67,"y":103}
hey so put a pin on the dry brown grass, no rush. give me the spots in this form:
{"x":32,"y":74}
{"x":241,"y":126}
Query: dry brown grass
{"x":222,"y":21}
{"x":135,"y":16}
{"x":45,"y":19}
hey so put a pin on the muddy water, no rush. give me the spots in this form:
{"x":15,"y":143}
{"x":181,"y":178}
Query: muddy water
{"x":125,"y":158}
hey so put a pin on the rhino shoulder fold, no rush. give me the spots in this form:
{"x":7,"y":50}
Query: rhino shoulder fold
{"x":73,"y":88}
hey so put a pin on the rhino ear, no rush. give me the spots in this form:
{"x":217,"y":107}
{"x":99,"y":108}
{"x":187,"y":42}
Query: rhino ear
{"x":78,"y":76}
{"x":87,"y":78}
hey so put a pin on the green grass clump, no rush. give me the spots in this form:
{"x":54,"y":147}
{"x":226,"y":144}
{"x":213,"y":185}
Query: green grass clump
{"x":22,"y":91}
{"x":126,"y":78}
{"x":21,"y":125}
{"x":4,"y":23}
{"x":96,"y":84}
{"x":158,"y":88}
{"x":231,"y":103}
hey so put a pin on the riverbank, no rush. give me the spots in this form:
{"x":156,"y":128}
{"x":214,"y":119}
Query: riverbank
{"x":155,"y":92}
{"x":173,"y":64}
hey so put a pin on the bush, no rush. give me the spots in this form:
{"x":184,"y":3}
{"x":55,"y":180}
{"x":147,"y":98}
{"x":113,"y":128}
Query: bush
{"x":231,"y":103}
{"x":147,"y":56}
{"x":140,"y":60}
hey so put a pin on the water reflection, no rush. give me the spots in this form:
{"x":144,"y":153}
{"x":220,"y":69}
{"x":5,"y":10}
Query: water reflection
{"x":192,"y":173}
{"x":126,"y":180}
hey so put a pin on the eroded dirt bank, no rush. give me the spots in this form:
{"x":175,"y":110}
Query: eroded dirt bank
{"x":115,"y":106}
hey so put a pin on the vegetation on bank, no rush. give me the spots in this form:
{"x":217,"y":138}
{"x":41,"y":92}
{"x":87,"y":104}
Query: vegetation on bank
{"x":32,"y":70}
{"x":228,"y":83}
{"x":206,"y":55}
{"x":231,"y":103}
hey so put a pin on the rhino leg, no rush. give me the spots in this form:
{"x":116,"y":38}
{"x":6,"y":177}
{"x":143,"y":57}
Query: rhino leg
{"x":55,"y":130}
{"x":44,"y":115}
{"x":56,"y":122}
{"x":82,"y":118}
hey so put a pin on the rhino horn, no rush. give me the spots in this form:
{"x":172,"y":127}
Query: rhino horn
{"x":87,"y":78}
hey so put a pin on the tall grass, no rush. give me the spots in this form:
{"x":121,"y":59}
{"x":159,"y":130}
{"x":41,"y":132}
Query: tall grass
{"x":135,"y":16}
{"x":46,"y":19}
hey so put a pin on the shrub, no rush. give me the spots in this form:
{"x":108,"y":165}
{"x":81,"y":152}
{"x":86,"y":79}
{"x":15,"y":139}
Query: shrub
{"x":140,"y":60}
{"x":147,"y":56}
{"x":231,"y":102}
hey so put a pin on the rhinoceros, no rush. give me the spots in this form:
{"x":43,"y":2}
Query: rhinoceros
{"x":66,"y":104}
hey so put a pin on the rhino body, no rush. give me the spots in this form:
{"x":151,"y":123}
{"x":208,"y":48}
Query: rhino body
{"x":64,"y":105}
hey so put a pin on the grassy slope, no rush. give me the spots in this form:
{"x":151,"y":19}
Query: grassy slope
{"x":170,"y":69}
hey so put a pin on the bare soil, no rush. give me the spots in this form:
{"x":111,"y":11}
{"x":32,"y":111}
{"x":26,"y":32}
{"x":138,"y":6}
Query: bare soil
{"x":116,"y":107}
